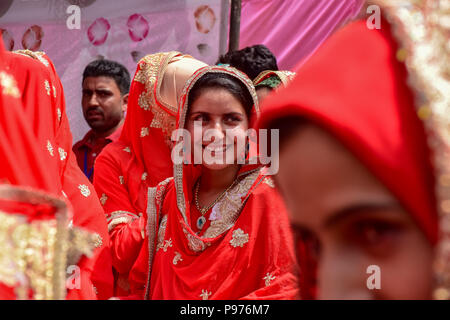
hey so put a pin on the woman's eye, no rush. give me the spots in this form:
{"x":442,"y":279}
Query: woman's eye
{"x":232,"y":118}
{"x":377,"y":235}
{"x":200,"y":118}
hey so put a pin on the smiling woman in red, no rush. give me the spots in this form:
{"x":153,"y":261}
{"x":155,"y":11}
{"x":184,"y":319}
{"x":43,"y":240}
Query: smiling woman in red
{"x":216,"y":230}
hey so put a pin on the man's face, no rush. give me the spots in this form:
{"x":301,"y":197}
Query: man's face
{"x":103,"y":105}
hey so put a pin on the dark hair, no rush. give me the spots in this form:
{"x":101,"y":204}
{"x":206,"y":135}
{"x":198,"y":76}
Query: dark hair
{"x":224,"y":81}
{"x":288,"y":126}
{"x":112,"y":69}
{"x":251,"y":60}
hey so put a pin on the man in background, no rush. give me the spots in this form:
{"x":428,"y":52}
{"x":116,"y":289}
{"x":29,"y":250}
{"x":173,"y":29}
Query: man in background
{"x":104,"y":101}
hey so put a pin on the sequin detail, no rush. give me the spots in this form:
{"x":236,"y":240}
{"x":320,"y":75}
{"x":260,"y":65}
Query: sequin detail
{"x":205,"y":294}
{"x":239,"y":238}
{"x":268,"y":278}
{"x":62,"y":154}
{"x":103,"y":199}
{"x":84,"y":189}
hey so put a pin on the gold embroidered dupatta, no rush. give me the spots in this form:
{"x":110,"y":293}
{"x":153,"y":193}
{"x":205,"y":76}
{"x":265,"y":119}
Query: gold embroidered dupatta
{"x":246,"y":222}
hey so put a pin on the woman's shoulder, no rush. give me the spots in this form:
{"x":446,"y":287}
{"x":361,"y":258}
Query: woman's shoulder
{"x":263,"y":184}
{"x":264,"y":190}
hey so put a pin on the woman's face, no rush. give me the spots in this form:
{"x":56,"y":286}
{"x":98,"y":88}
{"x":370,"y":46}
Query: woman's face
{"x":366,"y":239}
{"x":217,"y":123}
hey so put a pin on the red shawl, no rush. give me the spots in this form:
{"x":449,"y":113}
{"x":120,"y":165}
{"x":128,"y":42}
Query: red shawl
{"x":246,"y":253}
{"x":141,"y":158}
{"x":44,"y":109}
{"x":356,"y":88}
{"x":29,"y":197}
{"x":369,"y":107}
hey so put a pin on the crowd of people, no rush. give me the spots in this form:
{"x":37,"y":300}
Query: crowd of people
{"x":169,"y":196}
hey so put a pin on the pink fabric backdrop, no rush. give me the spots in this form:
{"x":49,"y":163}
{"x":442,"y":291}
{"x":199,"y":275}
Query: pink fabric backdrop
{"x":293,"y":29}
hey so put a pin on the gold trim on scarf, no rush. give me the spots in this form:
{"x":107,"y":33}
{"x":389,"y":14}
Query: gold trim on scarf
{"x":154,"y":205}
{"x":34,"y":254}
{"x":421,"y":31}
{"x":285,"y":76}
{"x":150,"y":71}
{"x":38,"y":55}
{"x":230,"y":206}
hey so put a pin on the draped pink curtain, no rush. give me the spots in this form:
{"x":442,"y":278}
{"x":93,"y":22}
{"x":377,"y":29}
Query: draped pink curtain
{"x":293,"y":29}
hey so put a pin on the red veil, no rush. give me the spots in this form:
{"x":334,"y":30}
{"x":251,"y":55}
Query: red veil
{"x":31,"y":204}
{"x":141,"y":158}
{"x":356,"y":87}
{"x":43,"y":107}
{"x":245,"y":253}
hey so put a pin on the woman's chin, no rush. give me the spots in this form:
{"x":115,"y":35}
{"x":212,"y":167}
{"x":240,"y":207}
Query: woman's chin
{"x":216,"y":166}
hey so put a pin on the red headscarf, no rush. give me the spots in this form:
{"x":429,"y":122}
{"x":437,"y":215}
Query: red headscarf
{"x":245,"y":251}
{"x":33,"y":204}
{"x":141,"y":158}
{"x":356,"y":88}
{"x":44,"y":109}
{"x":22,"y":163}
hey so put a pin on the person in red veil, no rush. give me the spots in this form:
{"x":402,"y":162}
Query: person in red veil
{"x":141,"y":158}
{"x":218,"y":229}
{"x":364,"y":160}
{"x":43,"y":107}
{"x":37,"y":245}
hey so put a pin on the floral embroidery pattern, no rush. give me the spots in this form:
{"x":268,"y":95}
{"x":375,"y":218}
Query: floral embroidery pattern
{"x":121,"y":180}
{"x":127,"y":149}
{"x":143,"y":101}
{"x":84,"y":189}
{"x":98,"y":242}
{"x":239,"y":238}
{"x":50,"y":148}
{"x":268,"y":278}
{"x":205,"y":294}
{"x":47,"y":87}
{"x":161,"y":233}
{"x":62,"y":154}
{"x":194,"y":243}
{"x":144,"y":132}
{"x":177,"y":258}
{"x":103,"y":199}
{"x":59,"y":114}
{"x":166,"y":244}
{"x":54,"y":91}
{"x":144,"y":176}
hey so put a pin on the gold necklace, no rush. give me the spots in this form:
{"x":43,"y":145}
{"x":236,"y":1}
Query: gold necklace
{"x":201,"y":221}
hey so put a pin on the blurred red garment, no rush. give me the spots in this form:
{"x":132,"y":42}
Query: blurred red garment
{"x":43,"y":107}
{"x":34,"y":216}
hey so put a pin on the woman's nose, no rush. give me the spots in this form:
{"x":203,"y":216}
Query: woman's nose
{"x":214,"y":133}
